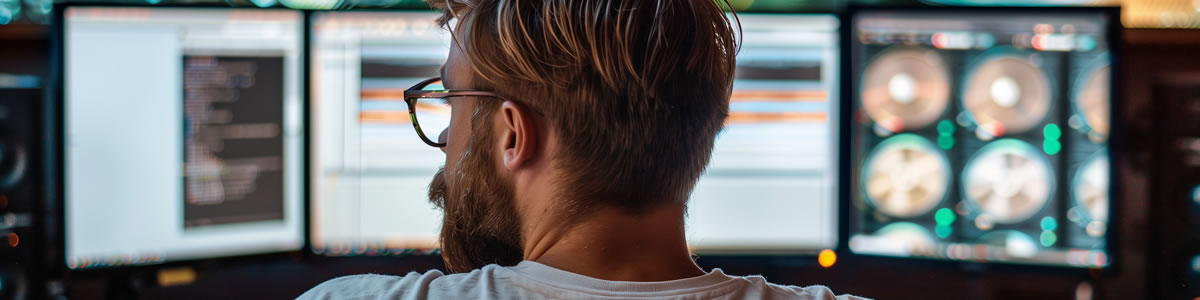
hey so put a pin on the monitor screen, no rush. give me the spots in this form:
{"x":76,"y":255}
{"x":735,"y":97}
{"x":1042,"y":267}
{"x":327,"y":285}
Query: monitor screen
{"x":182,"y":133}
{"x":370,"y":171}
{"x":981,"y":136}
{"x":769,"y":188}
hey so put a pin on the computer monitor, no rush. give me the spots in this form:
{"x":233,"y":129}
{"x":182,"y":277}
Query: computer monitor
{"x":769,"y":189}
{"x":182,"y":133}
{"x":982,"y":135}
{"x":370,"y":171}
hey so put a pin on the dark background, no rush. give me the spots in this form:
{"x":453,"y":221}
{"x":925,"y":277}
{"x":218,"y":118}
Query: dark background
{"x":261,"y":102}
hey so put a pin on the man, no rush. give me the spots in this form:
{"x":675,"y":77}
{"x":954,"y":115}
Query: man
{"x":578,"y":130}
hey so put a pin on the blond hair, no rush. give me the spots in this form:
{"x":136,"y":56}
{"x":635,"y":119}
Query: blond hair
{"x":636,"y":90}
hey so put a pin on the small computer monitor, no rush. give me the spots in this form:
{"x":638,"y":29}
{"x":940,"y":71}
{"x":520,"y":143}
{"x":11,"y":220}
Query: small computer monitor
{"x":769,"y":189}
{"x":982,"y":135}
{"x":182,"y":133}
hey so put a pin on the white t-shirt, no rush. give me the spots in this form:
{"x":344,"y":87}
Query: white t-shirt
{"x":532,"y":280}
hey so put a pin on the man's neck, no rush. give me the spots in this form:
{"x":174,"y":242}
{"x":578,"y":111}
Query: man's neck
{"x":611,"y":245}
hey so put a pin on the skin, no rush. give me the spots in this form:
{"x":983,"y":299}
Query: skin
{"x":607,"y":244}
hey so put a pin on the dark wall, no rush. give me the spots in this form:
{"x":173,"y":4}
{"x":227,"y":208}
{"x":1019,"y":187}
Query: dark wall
{"x":24,"y":49}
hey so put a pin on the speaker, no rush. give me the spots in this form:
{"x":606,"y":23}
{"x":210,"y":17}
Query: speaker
{"x":1175,"y":200}
{"x":20,"y":176}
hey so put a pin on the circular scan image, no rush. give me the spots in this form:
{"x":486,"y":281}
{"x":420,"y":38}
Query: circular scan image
{"x":1092,"y":99}
{"x":1006,"y":95}
{"x":906,"y":176}
{"x":912,"y":238}
{"x":1090,"y":188}
{"x":905,"y":88}
{"x":1013,"y":243}
{"x":1007,"y":181}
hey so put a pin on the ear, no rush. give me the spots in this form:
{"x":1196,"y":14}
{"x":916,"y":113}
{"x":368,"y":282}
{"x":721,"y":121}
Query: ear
{"x":519,"y":133}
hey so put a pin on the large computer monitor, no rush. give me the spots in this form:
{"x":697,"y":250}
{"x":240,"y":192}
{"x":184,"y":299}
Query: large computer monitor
{"x":982,"y":135}
{"x":182,"y":133}
{"x":770,"y":187}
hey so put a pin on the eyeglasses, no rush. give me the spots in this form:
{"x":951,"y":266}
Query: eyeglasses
{"x":430,"y":101}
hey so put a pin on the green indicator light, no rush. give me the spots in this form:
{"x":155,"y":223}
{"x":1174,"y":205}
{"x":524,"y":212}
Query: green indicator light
{"x":944,"y":216}
{"x":1051,"y":147}
{"x":1049,"y":238}
{"x":942,"y":231}
{"x":945,"y":127}
{"x":1052,"y":132}
{"x":945,"y":142}
{"x":1049,"y":224}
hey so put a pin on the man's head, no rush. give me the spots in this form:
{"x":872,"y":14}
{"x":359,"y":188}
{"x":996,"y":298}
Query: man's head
{"x":611,"y":104}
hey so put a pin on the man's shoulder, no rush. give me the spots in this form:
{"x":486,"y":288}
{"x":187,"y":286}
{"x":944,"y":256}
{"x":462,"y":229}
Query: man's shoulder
{"x":492,"y":280}
{"x":760,"y":288}
{"x":410,"y":286}
{"x":372,"y":286}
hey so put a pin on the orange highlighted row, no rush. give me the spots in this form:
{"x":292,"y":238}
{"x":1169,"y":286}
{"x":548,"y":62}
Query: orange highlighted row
{"x":778,"y":96}
{"x":382,"y":94}
{"x":776,"y":117}
{"x":384,"y":117}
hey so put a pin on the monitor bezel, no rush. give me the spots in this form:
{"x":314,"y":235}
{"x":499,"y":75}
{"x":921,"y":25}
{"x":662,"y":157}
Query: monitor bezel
{"x":849,"y":92}
{"x":55,"y":189}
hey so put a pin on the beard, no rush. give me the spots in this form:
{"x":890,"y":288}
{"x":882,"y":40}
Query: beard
{"x":480,"y":225}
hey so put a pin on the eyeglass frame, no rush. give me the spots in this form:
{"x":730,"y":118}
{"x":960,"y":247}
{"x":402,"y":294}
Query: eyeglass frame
{"x":412,"y":94}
